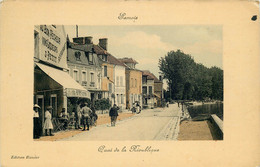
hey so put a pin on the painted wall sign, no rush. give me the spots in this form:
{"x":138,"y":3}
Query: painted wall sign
{"x":52,"y":44}
{"x":77,"y":93}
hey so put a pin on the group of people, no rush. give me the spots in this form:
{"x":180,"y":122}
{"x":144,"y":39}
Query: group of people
{"x":83,"y":115}
{"x":48,"y":126}
{"x":136,"y":108}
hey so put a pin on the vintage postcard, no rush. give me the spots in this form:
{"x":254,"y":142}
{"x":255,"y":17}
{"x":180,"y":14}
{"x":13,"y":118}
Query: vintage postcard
{"x":156,"y":83}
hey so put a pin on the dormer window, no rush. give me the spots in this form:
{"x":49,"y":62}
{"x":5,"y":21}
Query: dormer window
{"x":104,"y":57}
{"x":77,"y":56}
{"x":91,"y":57}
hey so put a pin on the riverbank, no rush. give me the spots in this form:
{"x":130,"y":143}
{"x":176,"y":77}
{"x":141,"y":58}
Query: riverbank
{"x":197,"y":103}
{"x":195,"y":124}
{"x":102,"y":119}
{"x":194,"y":130}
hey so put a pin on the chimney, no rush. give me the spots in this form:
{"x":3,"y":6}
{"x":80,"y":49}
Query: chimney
{"x":160,"y":78}
{"x":88,"y":40}
{"x":103,"y":43}
{"x":83,"y":40}
{"x":78,"y":40}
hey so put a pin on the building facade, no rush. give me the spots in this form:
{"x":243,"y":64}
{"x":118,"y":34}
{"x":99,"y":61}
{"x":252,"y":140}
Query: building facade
{"x":133,"y":82}
{"x":152,"y":90}
{"x":52,"y":84}
{"x":113,"y":75}
{"x":85,"y":66}
{"x":107,"y":74}
{"x":148,"y":90}
{"x":119,"y":80}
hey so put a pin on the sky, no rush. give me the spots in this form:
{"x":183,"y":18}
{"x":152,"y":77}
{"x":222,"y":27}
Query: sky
{"x":147,"y":43}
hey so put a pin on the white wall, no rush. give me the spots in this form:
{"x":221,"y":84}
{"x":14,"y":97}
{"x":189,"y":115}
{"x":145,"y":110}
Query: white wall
{"x":120,"y":87}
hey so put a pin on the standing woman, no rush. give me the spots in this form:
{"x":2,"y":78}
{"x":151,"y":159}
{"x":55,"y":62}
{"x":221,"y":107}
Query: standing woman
{"x":36,"y":122}
{"x":48,"y":124}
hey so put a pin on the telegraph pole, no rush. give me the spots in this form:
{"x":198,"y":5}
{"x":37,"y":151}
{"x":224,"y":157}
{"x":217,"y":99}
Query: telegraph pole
{"x":77,"y":29}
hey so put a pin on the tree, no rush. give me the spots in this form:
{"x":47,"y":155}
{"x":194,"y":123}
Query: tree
{"x":102,"y":104}
{"x":188,"y":80}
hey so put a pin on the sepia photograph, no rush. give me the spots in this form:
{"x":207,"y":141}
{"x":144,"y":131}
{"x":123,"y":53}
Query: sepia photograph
{"x":128,"y":82}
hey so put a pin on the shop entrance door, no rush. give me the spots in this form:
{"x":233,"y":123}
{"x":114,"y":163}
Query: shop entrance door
{"x":53,"y":103}
{"x":40,"y":102}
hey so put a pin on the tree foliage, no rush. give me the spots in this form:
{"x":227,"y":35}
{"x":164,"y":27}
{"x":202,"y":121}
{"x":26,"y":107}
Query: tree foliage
{"x":189,"y":80}
{"x":102,"y":104}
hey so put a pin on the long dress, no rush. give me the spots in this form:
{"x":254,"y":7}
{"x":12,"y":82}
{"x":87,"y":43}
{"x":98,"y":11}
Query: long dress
{"x":48,"y":123}
{"x":36,"y":125}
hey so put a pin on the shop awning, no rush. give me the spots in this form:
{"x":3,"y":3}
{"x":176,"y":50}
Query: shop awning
{"x":71,"y":87}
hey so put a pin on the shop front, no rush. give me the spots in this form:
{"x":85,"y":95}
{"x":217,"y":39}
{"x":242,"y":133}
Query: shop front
{"x":55,"y":88}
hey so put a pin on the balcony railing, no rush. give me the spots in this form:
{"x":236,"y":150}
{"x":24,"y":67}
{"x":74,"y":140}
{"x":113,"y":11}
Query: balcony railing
{"x":92,"y":84}
{"x":84,"y":83}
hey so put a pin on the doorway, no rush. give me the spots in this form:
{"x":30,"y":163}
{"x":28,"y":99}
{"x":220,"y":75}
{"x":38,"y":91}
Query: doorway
{"x":40,"y":102}
{"x":53,"y":102}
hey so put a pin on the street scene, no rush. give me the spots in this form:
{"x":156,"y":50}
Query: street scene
{"x":150,"y":124}
{"x":127,"y":83}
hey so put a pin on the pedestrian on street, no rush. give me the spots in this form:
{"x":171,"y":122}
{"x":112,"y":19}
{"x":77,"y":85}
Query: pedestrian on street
{"x":78,"y":115}
{"x":93,"y":116}
{"x":36,"y":122}
{"x":48,"y":124}
{"x":113,"y":113}
{"x":86,"y":111}
{"x":138,"y":108}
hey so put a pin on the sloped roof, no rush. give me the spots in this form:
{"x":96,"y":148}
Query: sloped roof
{"x":110,"y":58}
{"x":128,"y":60}
{"x":85,"y":47}
{"x":150,"y":75}
{"x":99,"y":50}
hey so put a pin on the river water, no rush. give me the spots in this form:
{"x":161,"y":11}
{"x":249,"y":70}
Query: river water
{"x":204,"y":111}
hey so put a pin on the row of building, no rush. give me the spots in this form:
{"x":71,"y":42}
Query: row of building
{"x":65,"y":71}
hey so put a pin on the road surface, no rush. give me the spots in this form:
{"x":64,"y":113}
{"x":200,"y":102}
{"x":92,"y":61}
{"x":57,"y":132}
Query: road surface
{"x":150,"y":124}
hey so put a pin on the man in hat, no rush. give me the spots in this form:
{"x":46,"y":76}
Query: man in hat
{"x":113,"y":113}
{"x":48,"y":124}
{"x":36,"y":122}
{"x":86,"y":111}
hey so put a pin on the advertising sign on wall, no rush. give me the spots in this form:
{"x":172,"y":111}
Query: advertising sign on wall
{"x":52,"y":44}
{"x":76,"y":93}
